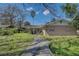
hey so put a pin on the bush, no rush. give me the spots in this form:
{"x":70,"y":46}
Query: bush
{"x":14,"y":30}
{"x":14,"y":44}
{"x":8,"y":31}
{"x":67,"y":46}
{"x":23,"y":30}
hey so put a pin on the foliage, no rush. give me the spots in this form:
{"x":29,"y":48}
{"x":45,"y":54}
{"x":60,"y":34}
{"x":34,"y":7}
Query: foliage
{"x":26,"y":23}
{"x":70,"y":9}
{"x":14,"y":44}
{"x":8,"y":15}
{"x":64,"y":45}
{"x":33,"y":13}
{"x":11,"y":15}
{"x":8,"y":31}
{"x":11,"y":31}
{"x":75,"y":22}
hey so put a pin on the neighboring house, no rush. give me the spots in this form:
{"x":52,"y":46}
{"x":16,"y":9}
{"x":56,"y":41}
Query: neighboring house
{"x":56,"y":28}
{"x":60,"y":28}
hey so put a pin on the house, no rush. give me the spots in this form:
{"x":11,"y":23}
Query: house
{"x":59,"y":27}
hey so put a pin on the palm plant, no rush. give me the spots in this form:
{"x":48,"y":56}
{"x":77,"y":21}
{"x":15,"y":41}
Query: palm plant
{"x":33,"y":14}
{"x":72,"y":11}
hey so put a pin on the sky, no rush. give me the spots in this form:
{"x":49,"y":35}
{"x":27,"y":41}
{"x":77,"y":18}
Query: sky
{"x":42,"y":14}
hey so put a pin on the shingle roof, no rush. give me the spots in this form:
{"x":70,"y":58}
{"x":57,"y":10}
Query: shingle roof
{"x":57,"y":22}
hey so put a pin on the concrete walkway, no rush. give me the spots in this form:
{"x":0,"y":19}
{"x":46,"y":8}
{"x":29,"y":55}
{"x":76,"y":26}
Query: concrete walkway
{"x":39,"y":47}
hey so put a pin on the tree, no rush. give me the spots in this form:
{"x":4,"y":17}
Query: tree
{"x":53,"y":20}
{"x":33,"y":14}
{"x":21,"y":18}
{"x":9,"y":15}
{"x":61,"y":21}
{"x":26,"y":23}
{"x":75,"y":22}
{"x":71,"y":11}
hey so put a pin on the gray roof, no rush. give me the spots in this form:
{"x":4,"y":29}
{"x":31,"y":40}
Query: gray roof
{"x":57,"y":22}
{"x":34,"y":26}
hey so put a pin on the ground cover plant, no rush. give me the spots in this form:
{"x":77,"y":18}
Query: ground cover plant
{"x":64,"y":45}
{"x":14,"y":44}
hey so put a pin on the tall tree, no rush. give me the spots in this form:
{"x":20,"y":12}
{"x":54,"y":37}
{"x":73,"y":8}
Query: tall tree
{"x":71,"y":11}
{"x":9,"y":15}
{"x":75,"y":22}
{"x":22,"y":17}
{"x":33,"y":14}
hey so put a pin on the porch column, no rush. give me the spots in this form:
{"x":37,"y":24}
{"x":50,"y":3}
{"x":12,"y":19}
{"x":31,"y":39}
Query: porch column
{"x":44,"y":32}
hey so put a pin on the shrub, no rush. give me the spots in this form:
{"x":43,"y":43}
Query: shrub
{"x":68,"y":46}
{"x":23,"y":30}
{"x":15,"y":44}
{"x":8,"y":31}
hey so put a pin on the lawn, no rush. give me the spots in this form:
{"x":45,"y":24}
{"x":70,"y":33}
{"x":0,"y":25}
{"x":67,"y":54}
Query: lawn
{"x":14,"y":44}
{"x":59,"y":46}
{"x":64,"y":45}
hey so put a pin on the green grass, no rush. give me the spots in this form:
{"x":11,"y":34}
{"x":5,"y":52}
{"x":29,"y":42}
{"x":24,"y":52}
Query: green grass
{"x":64,"y":45}
{"x":60,"y":45}
{"x":14,"y":44}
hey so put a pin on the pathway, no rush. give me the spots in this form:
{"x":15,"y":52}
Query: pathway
{"x":39,"y":47}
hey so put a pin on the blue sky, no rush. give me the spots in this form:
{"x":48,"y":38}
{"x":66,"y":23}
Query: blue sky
{"x":42,"y":15}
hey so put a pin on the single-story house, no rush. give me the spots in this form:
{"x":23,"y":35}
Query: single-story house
{"x":51,"y":28}
{"x":56,"y":28}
